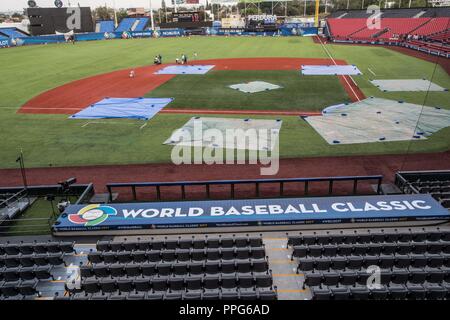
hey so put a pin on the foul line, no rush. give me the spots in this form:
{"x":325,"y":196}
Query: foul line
{"x":371,"y":71}
{"x":344,"y":77}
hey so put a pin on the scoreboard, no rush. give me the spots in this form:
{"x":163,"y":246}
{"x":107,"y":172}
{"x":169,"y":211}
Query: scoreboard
{"x":185,"y":17}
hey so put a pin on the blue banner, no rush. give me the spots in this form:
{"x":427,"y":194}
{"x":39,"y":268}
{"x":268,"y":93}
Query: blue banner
{"x":261,"y":212}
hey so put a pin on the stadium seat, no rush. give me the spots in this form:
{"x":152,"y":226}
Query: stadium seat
{"x":360,"y":293}
{"x":159,"y":283}
{"x":340,"y":293}
{"x":321,"y":293}
{"x":397,"y":292}
{"x":193,"y":283}
{"x":125,"y":284}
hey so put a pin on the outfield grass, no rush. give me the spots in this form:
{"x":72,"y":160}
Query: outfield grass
{"x":212,"y":91}
{"x":53,"y":140}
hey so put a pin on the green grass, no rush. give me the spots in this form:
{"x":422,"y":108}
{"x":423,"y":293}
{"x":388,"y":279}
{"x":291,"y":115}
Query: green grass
{"x":53,"y":140}
{"x":212,"y":91}
{"x":36,"y":219}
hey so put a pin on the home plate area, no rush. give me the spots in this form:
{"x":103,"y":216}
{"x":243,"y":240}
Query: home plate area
{"x":255,"y":86}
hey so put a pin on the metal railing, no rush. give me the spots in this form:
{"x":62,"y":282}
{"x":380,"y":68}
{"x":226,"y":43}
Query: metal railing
{"x":257,"y":183}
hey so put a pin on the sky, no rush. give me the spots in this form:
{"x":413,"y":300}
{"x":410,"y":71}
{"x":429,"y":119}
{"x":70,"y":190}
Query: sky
{"x":18,"y":5}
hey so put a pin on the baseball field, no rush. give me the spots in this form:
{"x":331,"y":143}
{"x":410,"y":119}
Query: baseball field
{"x":49,"y":139}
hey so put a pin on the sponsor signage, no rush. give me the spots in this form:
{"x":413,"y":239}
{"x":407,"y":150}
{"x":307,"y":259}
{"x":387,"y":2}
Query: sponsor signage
{"x":261,"y":212}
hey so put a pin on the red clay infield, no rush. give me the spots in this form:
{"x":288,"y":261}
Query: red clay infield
{"x":77,"y":95}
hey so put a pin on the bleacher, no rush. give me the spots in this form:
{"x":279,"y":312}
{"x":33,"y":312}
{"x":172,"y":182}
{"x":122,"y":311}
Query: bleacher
{"x":143,"y":22}
{"x":105,"y":26}
{"x":12,"y":33}
{"x":225,"y":268}
{"x":393,"y":13}
{"x":411,"y":28}
{"x":412,"y":264}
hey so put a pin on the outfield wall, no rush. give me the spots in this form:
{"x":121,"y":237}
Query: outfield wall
{"x":96,"y":36}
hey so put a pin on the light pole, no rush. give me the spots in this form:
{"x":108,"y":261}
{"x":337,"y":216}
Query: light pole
{"x":151,"y":16}
{"x":22,"y":169}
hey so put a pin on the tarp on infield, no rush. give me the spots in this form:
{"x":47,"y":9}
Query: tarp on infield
{"x":123,"y":108}
{"x":327,"y":70}
{"x":406,"y":85}
{"x":254,"y":86}
{"x":378,"y":120}
{"x":220,"y":133}
{"x":186,"y":69}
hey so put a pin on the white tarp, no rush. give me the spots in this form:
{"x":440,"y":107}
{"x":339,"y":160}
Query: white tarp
{"x":326,"y":70}
{"x":406,"y":85}
{"x":254,"y":86}
{"x":378,"y":120}
{"x":239,"y":133}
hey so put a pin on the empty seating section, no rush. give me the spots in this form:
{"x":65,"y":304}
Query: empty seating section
{"x":126,"y":24}
{"x":143,"y":22}
{"x":412,"y":264}
{"x":434,"y":25}
{"x":23,"y":265}
{"x":208,"y":268}
{"x":12,"y":33}
{"x":419,"y":31}
{"x":342,"y":29}
{"x":443,"y":37}
{"x":106,"y":26}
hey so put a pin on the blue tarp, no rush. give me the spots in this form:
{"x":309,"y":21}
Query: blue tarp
{"x":127,"y":108}
{"x":323,"y":70}
{"x":187,"y":69}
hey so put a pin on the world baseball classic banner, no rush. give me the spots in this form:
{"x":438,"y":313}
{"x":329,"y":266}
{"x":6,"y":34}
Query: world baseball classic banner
{"x":261,"y":212}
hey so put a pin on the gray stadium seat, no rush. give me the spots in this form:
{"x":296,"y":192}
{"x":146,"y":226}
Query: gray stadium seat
{"x":340,"y":293}
{"x":142,"y":284}
{"x":148,"y":268}
{"x":132,"y":269}
{"x":193,"y":283}
{"x":138,"y":256}
{"x":125,"y":284}
{"x":108,"y":285}
{"x":164,"y":268}
{"x":227,"y":253}
{"x":321,"y":293}
{"x":103,"y":245}
{"x":176,"y":283}
{"x":180,"y":268}
{"x":360,"y":293}
{"x":300,"y":251}
{"x":258,"y":252}
{"x":159,"y":283}
{"x":182,"y":254}
{"x":397,"y":292}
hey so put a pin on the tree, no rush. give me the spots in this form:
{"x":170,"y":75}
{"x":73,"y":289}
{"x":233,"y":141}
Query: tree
{"x":104,"y":13}
{"x":121,"y":14}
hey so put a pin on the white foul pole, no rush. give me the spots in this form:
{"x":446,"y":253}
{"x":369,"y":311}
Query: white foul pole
{"x":151,"y":16}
